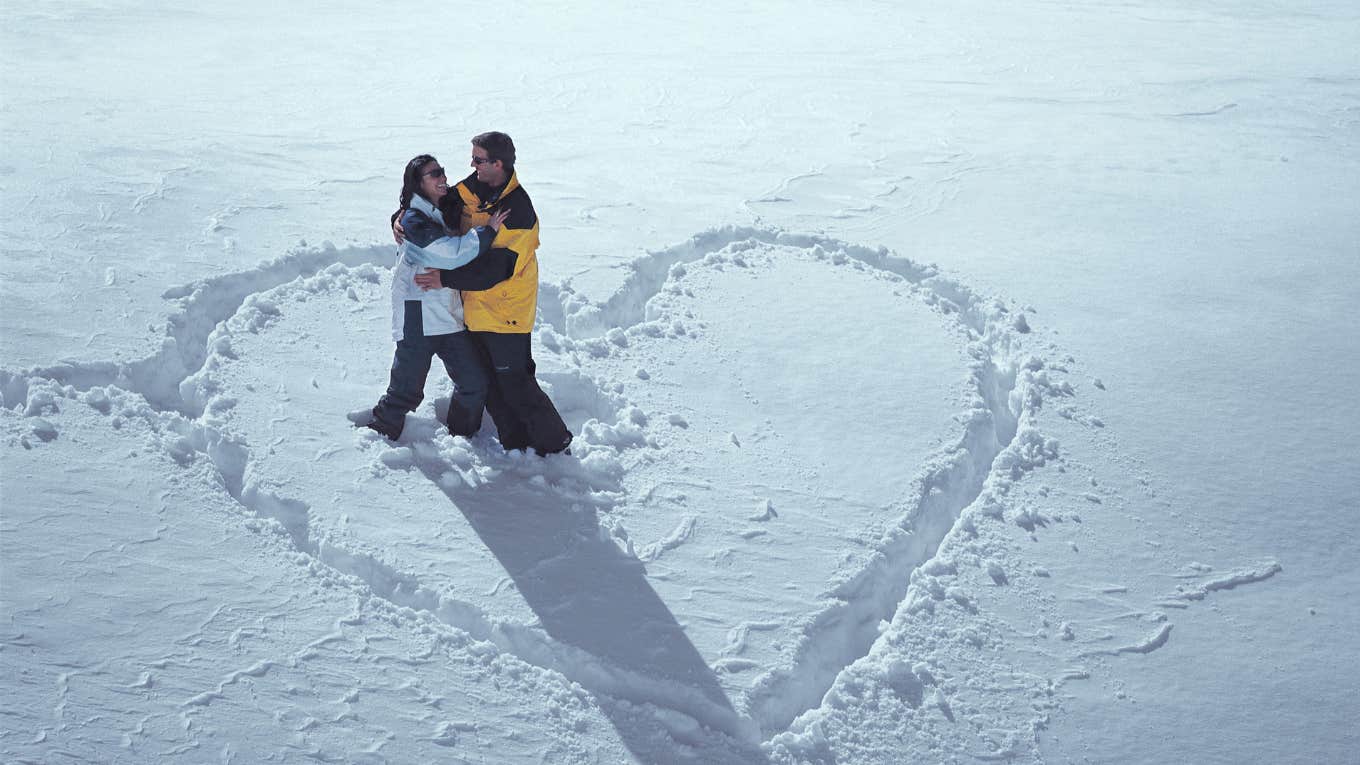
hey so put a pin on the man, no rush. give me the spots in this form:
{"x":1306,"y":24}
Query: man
{"x":500,"y":296}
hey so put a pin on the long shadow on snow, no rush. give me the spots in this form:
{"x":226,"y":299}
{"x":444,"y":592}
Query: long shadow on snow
{"x":589,"y":595}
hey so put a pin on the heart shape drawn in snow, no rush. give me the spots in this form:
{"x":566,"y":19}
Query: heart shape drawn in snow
{"x":774,"y":431}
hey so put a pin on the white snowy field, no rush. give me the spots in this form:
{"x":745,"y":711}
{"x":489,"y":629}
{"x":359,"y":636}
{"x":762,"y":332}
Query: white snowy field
{"x":951,"y":384}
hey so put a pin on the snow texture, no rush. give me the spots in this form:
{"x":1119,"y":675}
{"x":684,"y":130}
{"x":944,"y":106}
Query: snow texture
{"x":950,"y":385}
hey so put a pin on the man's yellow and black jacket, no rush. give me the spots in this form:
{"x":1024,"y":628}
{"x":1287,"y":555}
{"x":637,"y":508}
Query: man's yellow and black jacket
{"x":500,"y":287}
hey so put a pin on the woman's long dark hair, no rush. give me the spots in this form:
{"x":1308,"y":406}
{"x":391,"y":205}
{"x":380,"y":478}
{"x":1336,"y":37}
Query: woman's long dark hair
{"x":451,"y":205}
{"x":410,"y":180}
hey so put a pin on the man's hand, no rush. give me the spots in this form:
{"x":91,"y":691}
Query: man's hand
{"x":429,"y":280}
{"x":398,"y":233}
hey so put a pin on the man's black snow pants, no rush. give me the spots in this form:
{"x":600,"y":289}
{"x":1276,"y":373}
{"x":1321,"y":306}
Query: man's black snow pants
{"x":523,"y":413}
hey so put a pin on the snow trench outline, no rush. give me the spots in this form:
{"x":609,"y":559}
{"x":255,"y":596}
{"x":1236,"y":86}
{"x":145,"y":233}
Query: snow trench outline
{"x":951,"y":482}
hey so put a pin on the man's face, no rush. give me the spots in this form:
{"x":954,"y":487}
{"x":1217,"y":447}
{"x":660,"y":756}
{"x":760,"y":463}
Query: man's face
{"x":489,"y":171}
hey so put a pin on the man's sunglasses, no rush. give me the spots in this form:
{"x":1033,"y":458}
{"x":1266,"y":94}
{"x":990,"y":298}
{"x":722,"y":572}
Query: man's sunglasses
{"x":438,"y":172}
{"x":482,"y":160}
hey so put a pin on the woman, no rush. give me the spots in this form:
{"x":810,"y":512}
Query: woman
{"x":429,"y":323}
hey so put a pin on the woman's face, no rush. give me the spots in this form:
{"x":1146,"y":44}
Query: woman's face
{"x":433,"y":182}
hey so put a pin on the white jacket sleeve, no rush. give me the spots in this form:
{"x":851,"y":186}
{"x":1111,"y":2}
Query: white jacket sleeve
{"x":447,"y":252}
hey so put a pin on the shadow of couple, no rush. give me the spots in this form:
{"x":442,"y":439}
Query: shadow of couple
{"x":609,"y":629}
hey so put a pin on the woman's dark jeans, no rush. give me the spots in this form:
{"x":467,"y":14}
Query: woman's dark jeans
{"x":411,"y":365}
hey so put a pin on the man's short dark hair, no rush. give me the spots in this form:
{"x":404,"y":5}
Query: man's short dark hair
{"x":497,"y":146}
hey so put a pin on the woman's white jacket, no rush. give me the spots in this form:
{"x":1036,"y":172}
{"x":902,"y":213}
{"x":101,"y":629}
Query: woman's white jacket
{"x":429,"y":245}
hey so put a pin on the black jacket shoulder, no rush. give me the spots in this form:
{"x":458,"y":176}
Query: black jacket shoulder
{"x":420,"y":228}
{"x":522,"y":214}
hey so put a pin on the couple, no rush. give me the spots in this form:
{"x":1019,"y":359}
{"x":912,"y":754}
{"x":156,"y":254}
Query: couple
{"x":465,"y":289}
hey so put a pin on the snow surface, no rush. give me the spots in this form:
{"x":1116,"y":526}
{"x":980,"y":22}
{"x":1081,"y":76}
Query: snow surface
{"x":951,"y":384}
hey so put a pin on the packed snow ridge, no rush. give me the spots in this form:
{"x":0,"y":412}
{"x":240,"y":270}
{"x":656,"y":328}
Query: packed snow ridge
{"x":193,"y":389}
{"x":203,"y":305}
{"x":178,"y":385}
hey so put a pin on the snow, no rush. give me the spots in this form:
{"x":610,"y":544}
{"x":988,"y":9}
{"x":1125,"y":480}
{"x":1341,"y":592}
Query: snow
{"x":950,"y":384}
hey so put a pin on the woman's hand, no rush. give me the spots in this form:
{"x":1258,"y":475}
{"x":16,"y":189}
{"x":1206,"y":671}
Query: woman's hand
{"x":498,"y":218}
{"x":429,"y":280}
